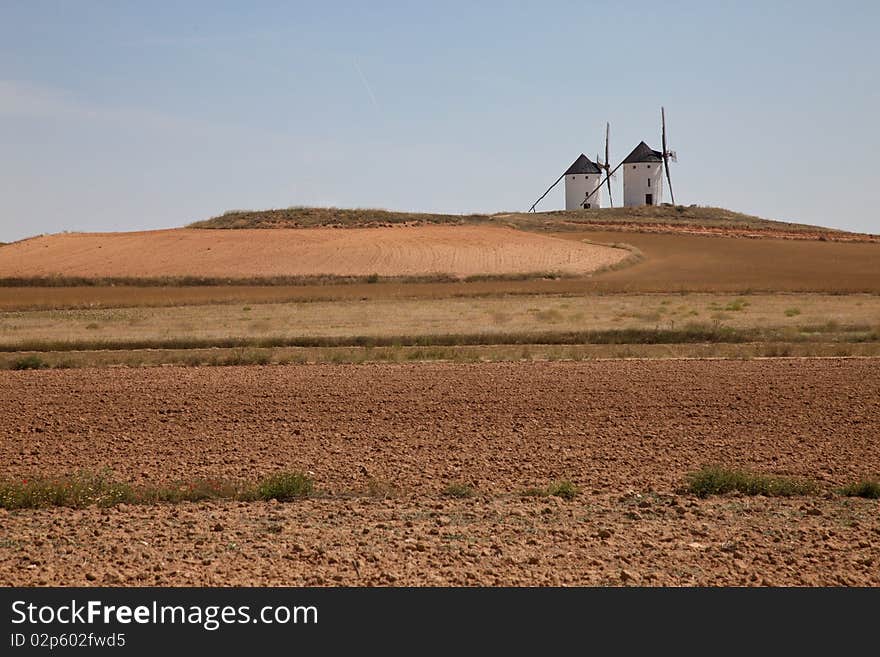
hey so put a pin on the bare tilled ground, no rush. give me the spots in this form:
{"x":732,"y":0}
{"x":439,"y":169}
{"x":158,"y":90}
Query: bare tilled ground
{"x":593,"y":540}
{"x":501,"y":426}
{"x":626,"y":432}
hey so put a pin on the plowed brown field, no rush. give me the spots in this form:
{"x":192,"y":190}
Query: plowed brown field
{"x":625,"y":432}
{"x":392,"y":251}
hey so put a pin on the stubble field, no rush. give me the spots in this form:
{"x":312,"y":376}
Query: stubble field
{"x":456,"y":251}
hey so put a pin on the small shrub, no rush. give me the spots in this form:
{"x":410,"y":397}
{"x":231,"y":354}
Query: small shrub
{"x":285,"y":486}
{"x":561,"y":488}
{"x":372,"y":278}
{"x":867,"y":488}
{"x":32,"y":362}
{"x":564,"y":489}
{"x":792,"y":312}
{"x":459,"y":490}
{"x":716,"y":480}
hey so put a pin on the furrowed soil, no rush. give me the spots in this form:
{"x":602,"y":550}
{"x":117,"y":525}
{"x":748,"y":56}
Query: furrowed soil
{"x":383,"y":442}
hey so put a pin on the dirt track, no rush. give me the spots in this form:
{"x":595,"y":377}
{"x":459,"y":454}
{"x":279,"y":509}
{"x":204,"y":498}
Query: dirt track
{"x":625,"y":432}
{"x":395,"y":251}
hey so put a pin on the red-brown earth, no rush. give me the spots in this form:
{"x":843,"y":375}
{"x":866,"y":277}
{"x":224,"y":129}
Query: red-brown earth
{"x":625,"y":432}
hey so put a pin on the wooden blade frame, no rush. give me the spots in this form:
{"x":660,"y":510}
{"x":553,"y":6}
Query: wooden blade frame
{"x":666,"y":153}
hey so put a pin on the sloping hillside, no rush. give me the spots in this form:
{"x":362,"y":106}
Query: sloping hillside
{"x":665,"y":218}
{"x":433,"y":252}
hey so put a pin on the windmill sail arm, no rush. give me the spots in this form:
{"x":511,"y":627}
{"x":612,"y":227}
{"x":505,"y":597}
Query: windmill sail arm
{"x":599,"y":186}
{"x":532,"y":209}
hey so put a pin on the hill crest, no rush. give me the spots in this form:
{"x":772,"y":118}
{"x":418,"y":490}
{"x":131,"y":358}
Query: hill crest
{"x":666,"y":218}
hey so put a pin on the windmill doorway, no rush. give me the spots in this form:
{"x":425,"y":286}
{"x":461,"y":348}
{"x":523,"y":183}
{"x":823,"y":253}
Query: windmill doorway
{"x":649,"y":199}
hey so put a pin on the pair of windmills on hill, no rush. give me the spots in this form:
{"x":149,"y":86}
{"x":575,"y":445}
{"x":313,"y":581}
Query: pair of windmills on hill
{"x":643,"y":172}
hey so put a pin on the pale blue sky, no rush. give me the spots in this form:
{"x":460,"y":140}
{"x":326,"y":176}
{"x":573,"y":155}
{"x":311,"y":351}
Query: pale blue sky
{"x":133,"y":115}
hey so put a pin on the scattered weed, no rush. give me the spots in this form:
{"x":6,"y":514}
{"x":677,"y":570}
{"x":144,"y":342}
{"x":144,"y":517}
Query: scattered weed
{"x":563,"y":488}
{"x":716,"y":480}
{"x":867,"y":488}
{"x":78,"y":491}
{"x":87,"y":488}
{"x":458,"y":489}
{"x":32,"y":362}
{"x":534,"y":492}
{"x":285,"y":486}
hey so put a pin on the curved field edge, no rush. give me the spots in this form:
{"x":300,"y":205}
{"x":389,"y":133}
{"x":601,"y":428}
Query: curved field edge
{"x":634,"y":256}
{"x":266,"y":281}
{"x":309,"y":256}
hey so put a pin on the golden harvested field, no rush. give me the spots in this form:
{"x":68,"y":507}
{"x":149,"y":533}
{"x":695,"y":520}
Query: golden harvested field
{"x":672,"y":263}
{"x":449,"y":316}
{"x":392,"y":251}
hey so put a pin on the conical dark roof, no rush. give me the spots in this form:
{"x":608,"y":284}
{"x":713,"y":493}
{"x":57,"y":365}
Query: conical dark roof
{"x":583,"y":165}
{"x":643,"y":153}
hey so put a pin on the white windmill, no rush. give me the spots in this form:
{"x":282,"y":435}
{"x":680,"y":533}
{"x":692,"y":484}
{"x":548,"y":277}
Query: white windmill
{"x":643,"y":171}
{"x":642,"y":175}
{"x":583,"y":182}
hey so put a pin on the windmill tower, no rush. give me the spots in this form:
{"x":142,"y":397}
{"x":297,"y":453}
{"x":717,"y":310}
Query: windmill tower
{"x":643,"y":177}
{"x":582,"y":179}
{"x":643,"y":172}
{"x":583,"y":182}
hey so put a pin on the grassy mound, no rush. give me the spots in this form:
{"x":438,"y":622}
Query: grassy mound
{"x":678,"y":215}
